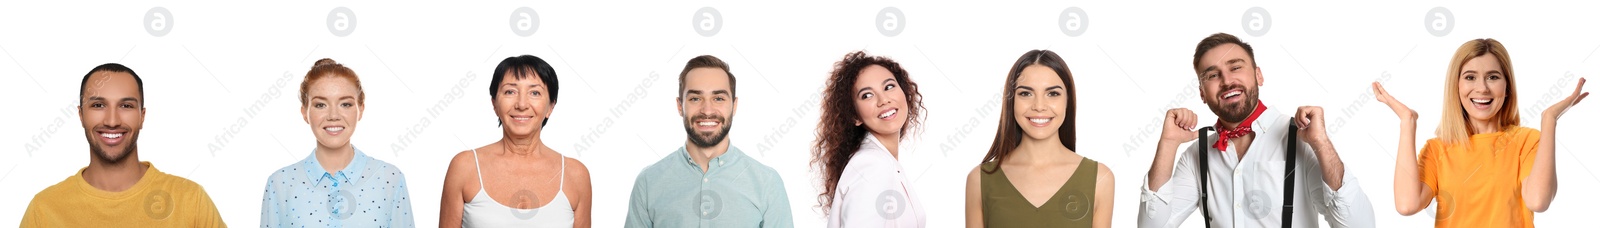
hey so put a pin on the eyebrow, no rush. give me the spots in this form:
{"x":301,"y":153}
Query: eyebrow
{"x":1046,"y":88}
{"x":865,"y":88}
{"x":340,"y":98}
{"x":693,"y":91}
{"x":719,"y":91}
{"x":514,"y":84}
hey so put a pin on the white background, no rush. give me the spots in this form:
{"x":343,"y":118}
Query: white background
{"x":1131,"y":63}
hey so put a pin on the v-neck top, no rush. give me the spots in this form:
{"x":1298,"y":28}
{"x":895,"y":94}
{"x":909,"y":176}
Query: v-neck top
{"x":1071,"y":206}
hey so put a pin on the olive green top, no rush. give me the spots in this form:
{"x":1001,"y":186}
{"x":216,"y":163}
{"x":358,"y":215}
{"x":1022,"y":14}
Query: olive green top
{"x":1071,"y":206}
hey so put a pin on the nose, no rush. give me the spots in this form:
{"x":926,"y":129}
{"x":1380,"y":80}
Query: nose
{"x":335,"y":115}
{"x":705,"y":108}
{"x":112,"y":119}
{"x":522,"y":103}
{"x":1037,"y":105}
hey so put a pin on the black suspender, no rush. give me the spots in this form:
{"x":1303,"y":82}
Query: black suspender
{"x":1288,"y":173}
{"x":1205,"y":162}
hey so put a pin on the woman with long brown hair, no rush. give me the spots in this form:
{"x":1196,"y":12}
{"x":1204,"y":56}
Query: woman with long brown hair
{"x":868,"y":106}
{"x":1033,"y":175}
{"x":1483,"y":168}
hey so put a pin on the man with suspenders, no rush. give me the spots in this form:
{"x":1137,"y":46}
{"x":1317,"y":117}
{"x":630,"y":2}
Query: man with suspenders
{"x":1287,"y":178}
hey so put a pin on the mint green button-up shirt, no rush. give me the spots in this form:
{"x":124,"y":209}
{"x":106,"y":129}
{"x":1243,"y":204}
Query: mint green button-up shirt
{"x":735,"y":191}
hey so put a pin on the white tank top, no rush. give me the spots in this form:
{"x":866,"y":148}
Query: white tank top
{"x":483,"y":211}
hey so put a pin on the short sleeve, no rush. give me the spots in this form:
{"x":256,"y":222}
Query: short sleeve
{"x":1526,"y":142}
{"x":1429,"y":159}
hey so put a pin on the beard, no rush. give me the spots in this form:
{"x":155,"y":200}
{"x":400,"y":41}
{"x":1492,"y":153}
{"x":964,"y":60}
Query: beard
{"x":706,"y":139}
{"x":99,"y":151}
{"x":1236,"y":112}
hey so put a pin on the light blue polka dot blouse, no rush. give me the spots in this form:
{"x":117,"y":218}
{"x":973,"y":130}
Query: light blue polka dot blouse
{"x":367,"y":193}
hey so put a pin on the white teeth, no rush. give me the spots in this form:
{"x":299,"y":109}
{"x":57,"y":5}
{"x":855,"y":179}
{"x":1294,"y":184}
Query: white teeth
{"x":887,"y":114}
{"x":1231,"y":94}
{"x":333,"y":128}
{"x":521,"y":118}
{"x":111,"y":135}
{"x":1482,"y":101}
{"x":1039,"y":120}
{"x":708,"y":123}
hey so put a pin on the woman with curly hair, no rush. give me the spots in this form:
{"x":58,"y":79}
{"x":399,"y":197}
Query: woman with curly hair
{"x":868,"y":105}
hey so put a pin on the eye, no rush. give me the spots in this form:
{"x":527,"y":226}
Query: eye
{"x":127,"y":106}
{"x":1494,"y":77}
{"x":864,"y":96}
{"x":346,"y":105}
{"x":97,"y":105}
{"x":1054,"y":94}
{"x":1471,"y":77}
{"x":508,"y":92}
{"x":890,"y":86}
{"x":721,"y":99}
{"x":694,"y":99}
{"x":1025,"y":93}
{"x":535,"y":93}
{"x":319,"y":105}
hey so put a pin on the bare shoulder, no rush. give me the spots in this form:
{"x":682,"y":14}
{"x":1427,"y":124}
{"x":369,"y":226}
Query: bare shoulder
{"x":576,"y":169}
{"x":1104,"y":174}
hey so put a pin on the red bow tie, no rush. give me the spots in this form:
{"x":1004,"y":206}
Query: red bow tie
{"x":1244,"y":128}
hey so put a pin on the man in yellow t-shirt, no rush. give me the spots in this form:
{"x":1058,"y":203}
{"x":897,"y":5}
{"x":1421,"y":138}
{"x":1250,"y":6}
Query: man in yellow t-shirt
{"x":116,"y":189}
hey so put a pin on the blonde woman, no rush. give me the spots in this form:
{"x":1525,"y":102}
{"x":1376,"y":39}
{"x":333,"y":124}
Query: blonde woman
{"x":1484,"y":169}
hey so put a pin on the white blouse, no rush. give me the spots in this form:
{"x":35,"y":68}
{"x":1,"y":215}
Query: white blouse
{"x":874,"y":192}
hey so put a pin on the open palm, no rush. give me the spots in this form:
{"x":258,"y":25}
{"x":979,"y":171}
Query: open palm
{"x":1399,"y":109}
{"x":1555,"y":110}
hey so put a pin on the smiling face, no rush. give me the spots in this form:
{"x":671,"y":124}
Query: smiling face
{"x":1481,"y":87}
{"x":332,"y":109}
{"x":880,"y":102}
{"x":112,"y":113}
{"x":1229,"y":82}
{"x":1039,"y":102}
{"x":707,"y":105}
{"x":522,"y":104}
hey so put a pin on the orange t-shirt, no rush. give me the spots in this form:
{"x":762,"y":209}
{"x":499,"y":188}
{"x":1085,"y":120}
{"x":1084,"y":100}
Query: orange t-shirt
{"x":1481,"y":185}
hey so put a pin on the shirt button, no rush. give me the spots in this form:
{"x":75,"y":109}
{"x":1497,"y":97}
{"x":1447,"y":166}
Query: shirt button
{"x":705,"y":180}
{"x":719,"y":162}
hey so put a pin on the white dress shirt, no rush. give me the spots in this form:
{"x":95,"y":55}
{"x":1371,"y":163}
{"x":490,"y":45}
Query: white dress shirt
{"x":1249,"y":192}
{"x":874,"y":191}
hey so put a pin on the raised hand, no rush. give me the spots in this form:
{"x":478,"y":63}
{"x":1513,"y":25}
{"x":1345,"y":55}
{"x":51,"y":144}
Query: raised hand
{"x":1555,"y":110}
{"x":1310,"y":121}
{"x":1405,"y":113}
{"x":1178,"y":126}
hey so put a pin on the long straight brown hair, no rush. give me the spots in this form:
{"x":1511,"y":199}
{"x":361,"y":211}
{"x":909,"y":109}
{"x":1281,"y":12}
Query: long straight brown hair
{"x":1009,"y":134}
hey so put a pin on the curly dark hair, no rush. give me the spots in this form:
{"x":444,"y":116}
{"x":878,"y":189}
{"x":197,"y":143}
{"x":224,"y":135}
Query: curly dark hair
{"x":837,"y":137}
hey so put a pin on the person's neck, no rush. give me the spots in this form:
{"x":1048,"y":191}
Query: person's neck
{"x":1033,"y":151}
{"x":1485,"y":126}
{"x":703,"y":155}
{"x":1240,"y":144}
{"x":890,"y":141}
{"x":334,"y":159}
{"x":529,"y":146}
{"x":114,"y":177}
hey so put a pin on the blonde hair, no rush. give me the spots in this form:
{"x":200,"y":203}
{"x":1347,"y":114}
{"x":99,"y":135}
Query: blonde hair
{"x":327,"y":68}
{"x":1453,"y":125}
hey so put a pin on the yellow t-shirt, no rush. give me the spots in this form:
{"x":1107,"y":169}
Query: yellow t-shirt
{"x":1481,"y":186}
{"x":158,"y":200}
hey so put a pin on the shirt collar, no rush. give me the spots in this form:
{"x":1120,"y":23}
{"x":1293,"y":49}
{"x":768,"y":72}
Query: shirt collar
{"x":733,"y":156}
{"x":871,"y":142}
{"x":351,"y":172}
